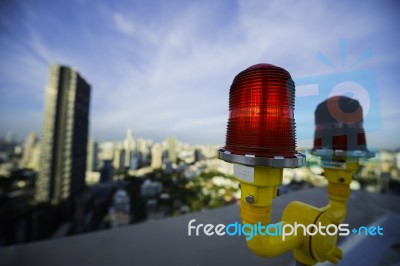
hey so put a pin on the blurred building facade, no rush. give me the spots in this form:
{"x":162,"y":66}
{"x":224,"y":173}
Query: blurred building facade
{"x":64,"y":135}
{"x":129,"y":145}
{"x":106,"y":172}
{"x":92,"y":155}
{"x":29,"y":146}
{"x":119,"y":159}
{"x":171,"y":147}
{"x":156,"y":156}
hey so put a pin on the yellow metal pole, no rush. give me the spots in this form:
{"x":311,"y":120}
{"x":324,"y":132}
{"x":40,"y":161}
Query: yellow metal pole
{"x":255,"y":207}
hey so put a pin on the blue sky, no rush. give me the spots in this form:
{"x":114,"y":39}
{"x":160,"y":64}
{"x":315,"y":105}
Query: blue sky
{"x":165,"y":67}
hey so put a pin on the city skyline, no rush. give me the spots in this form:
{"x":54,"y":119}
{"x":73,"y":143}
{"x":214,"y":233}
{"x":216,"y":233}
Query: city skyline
{"x":165,"y":69}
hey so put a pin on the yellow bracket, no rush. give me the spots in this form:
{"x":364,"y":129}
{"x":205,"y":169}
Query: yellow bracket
{"x":255,"y":207}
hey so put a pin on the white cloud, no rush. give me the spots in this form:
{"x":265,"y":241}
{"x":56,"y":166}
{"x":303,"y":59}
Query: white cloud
{"x":189,"y":72}
{"x":170,"y":71}
{"x":123,"y":23}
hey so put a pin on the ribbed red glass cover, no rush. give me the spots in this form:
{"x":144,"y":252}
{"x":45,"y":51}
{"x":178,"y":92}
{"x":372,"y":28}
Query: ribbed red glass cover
{"x":339,"y":125}
{"x":261,"y":105}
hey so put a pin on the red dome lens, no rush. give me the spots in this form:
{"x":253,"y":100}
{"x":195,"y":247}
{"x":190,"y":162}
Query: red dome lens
{"x":261,"y":120}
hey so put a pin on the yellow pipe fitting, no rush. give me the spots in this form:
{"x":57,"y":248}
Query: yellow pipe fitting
{"x":302,"y":214}
{"x":263,"y":189}
{"x":255,"y":207}
{"x":320,"y":248}
{"x":337,"y":206}
{"x":323,"y":246}
{"x":308,"y":248}
{"x":271,"y":245}
{"x":253,"y":214}
{"x":342,"y":174}
{"x":338,"y":189}
{"x":266,"y":245}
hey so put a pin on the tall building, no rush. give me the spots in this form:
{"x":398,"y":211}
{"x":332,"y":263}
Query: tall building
{"x":129,"y":147}
{"x":106,"y":172}
{"x":156,"y":156}
{"x":28,"y":150}
{"x":171,"y":147}
{"x":92,"y":155}
{"x":64,"y":135}
{"x":119,"y":159}
{"x":198,"y":155}
{"x":34,"y":160}
{"x":142,"y":147}
{"x":397,"y":156}
{"x":106,"y":150}
{"x":143,"y":150}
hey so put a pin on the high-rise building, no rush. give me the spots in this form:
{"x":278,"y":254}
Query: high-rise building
{"x":397,"y":156}
{"x":143,"y":150}
{"x":198,"y":155}
{"x":34,"y":160}
{"x":156,"y":156}
{"x":92,"y":155}
{"x":106,"y":172}
{"x":129,"y":147}
{"x":119,"y":159}
{"x":171,"y":147}
{"x":29,"y":146}
{"x":64,"y":135}
{"x":106,"y":150}
{"x":142,"y":147}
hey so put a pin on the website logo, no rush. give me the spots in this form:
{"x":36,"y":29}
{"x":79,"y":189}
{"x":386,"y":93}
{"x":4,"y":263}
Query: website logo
{"x":279,"y":229}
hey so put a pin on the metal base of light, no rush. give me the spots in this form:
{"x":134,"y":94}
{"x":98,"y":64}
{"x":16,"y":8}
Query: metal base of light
{"x":357,"y":154}
{"x":251,"y":160}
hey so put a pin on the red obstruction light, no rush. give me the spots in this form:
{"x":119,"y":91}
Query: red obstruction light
{"x":261,"y":125}
{"x":339,"y":128}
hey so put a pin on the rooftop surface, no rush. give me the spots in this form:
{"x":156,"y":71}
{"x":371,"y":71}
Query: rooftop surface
{"x":166,"y":241}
